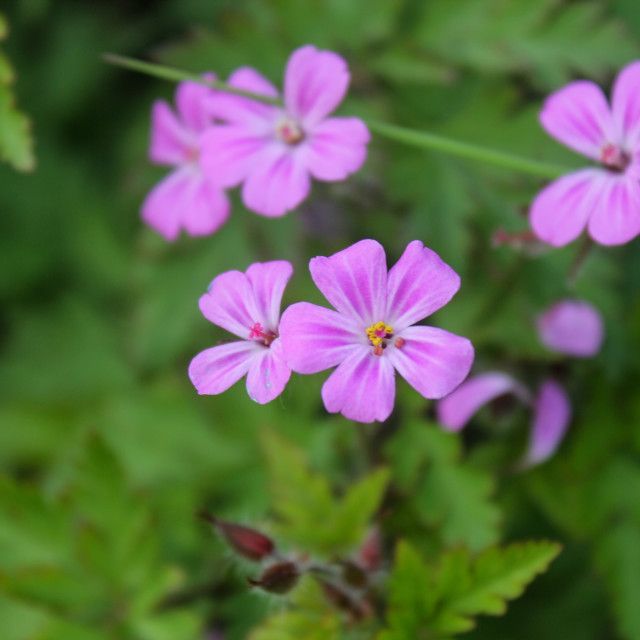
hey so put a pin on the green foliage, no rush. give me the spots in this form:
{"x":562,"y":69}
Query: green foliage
{"x":107,"y":452}
{"x":309,"y":617}
{"x":310,"y":515}
{"x":15,"y":129}
{"x":551,"y":41}
{"x":445,"y":493}
{"x":441,"y":600}
{"x":84,"y":559}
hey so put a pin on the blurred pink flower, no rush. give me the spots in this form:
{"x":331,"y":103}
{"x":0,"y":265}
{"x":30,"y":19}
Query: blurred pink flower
{"x":372,"y":334}
{"x":604,"y":199}
{"x":551,"y":410}
{"x":247,"y":305}
{"x":275,"y":151}
{"x":573,"y":327}
{"x":187,"y":198}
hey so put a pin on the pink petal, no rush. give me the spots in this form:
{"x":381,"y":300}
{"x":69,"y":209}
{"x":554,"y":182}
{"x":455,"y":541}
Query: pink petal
{"x":277,"y":183}
{"x":192,"y":100}
{"x":229,"y":153}
{"x":616,"y":218}
{"x":216,"y":369}
{"x":206,"y":210}
{"x":573,"y":327}
{"x":315,"y":83}
{"x":561,"y":210}
{"x":626,"y":103}
{"x":362,"y":388}
{"x":550,"y":422}
{"x":238,"y":110}
{"x":170,"y":139}
{"x":268,"y":374}
{"x":315,"y":338}
{"x":183,"y":200}
{"x":268,"y":280}
{"x":229,"y":303}
{"x":419,"y":284}
{"x":433,"y":361}
{"x":578,"y":116}
{"x":456,"y":409}
{"x":337,"y":148}
{"x":354,"y":281}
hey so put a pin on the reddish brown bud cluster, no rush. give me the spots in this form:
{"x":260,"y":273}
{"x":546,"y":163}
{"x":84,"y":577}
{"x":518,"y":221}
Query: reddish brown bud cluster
{"x":278,"y":578}
{"x":249,"y":543}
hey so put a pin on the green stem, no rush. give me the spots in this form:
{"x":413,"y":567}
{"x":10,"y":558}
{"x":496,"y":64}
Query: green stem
{"x":432,"y":141}
{"x":420,"y":139}
{"x":177,"y":75}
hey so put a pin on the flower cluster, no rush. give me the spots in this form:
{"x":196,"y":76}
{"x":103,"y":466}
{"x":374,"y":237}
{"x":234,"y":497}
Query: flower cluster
{"x":570,"y":327}
{"x":271,"y":147}
{"x":217,"y":140}
{"x":371,"y":334}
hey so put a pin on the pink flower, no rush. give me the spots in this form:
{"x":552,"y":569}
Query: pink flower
{"x":247,"y":305}
{"x":187,"y":198}
{"x":573,"y":327}
{"x":603,"y":199}
{"x":275,"y":150}
{"x":372,"y":334}
{"x":551,"y":410}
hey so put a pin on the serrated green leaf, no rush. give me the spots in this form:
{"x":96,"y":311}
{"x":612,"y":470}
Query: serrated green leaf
{"x":467,"y":587}
{"x":442,"y":600}
{"x":409,"y":590}
{"x":311,"y":516}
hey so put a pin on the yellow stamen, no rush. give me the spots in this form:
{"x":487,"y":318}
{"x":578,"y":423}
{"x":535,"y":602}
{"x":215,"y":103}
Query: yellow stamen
{"x":378,"y":332}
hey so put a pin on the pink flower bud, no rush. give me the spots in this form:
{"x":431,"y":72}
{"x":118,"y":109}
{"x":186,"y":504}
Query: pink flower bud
{"x":248,"y":542}
{"x":278,"y":578}
{"x":370,"y":553}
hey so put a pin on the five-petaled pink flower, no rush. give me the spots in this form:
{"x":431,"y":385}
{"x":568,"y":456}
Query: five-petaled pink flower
{"x":604,"y":199}
{"x":187,"y":198}
{"x":247,"y":305}
{"x":551,"y":410}
{"x":275,"y":150}
{"x":372,"y":334}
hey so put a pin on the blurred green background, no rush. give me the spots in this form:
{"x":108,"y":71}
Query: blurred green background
{"x":106,"y":451}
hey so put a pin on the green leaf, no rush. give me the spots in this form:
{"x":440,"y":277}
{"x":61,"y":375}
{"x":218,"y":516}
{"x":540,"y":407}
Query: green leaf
{"x":441,"y":600}
{"x":466,"y":587}
{"x":16,"y":145}
{"x":311,"y":516}
{"x":447,"y":493}
{"x":548,"y":42}
{"x":408,"y":587}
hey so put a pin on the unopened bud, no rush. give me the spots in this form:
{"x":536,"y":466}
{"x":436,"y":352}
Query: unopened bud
{"x":278,"y":578}
{"x":248,"y":542}
{"x":370,"y":553}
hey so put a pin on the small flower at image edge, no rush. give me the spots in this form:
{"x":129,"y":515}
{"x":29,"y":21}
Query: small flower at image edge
{"x":247,"y":305}
{"x":274,"y":151}
{"x":604,"y":199}
{"x":186,"y":199}
{"x":372,"y":333}
{"x":573,"y":327}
